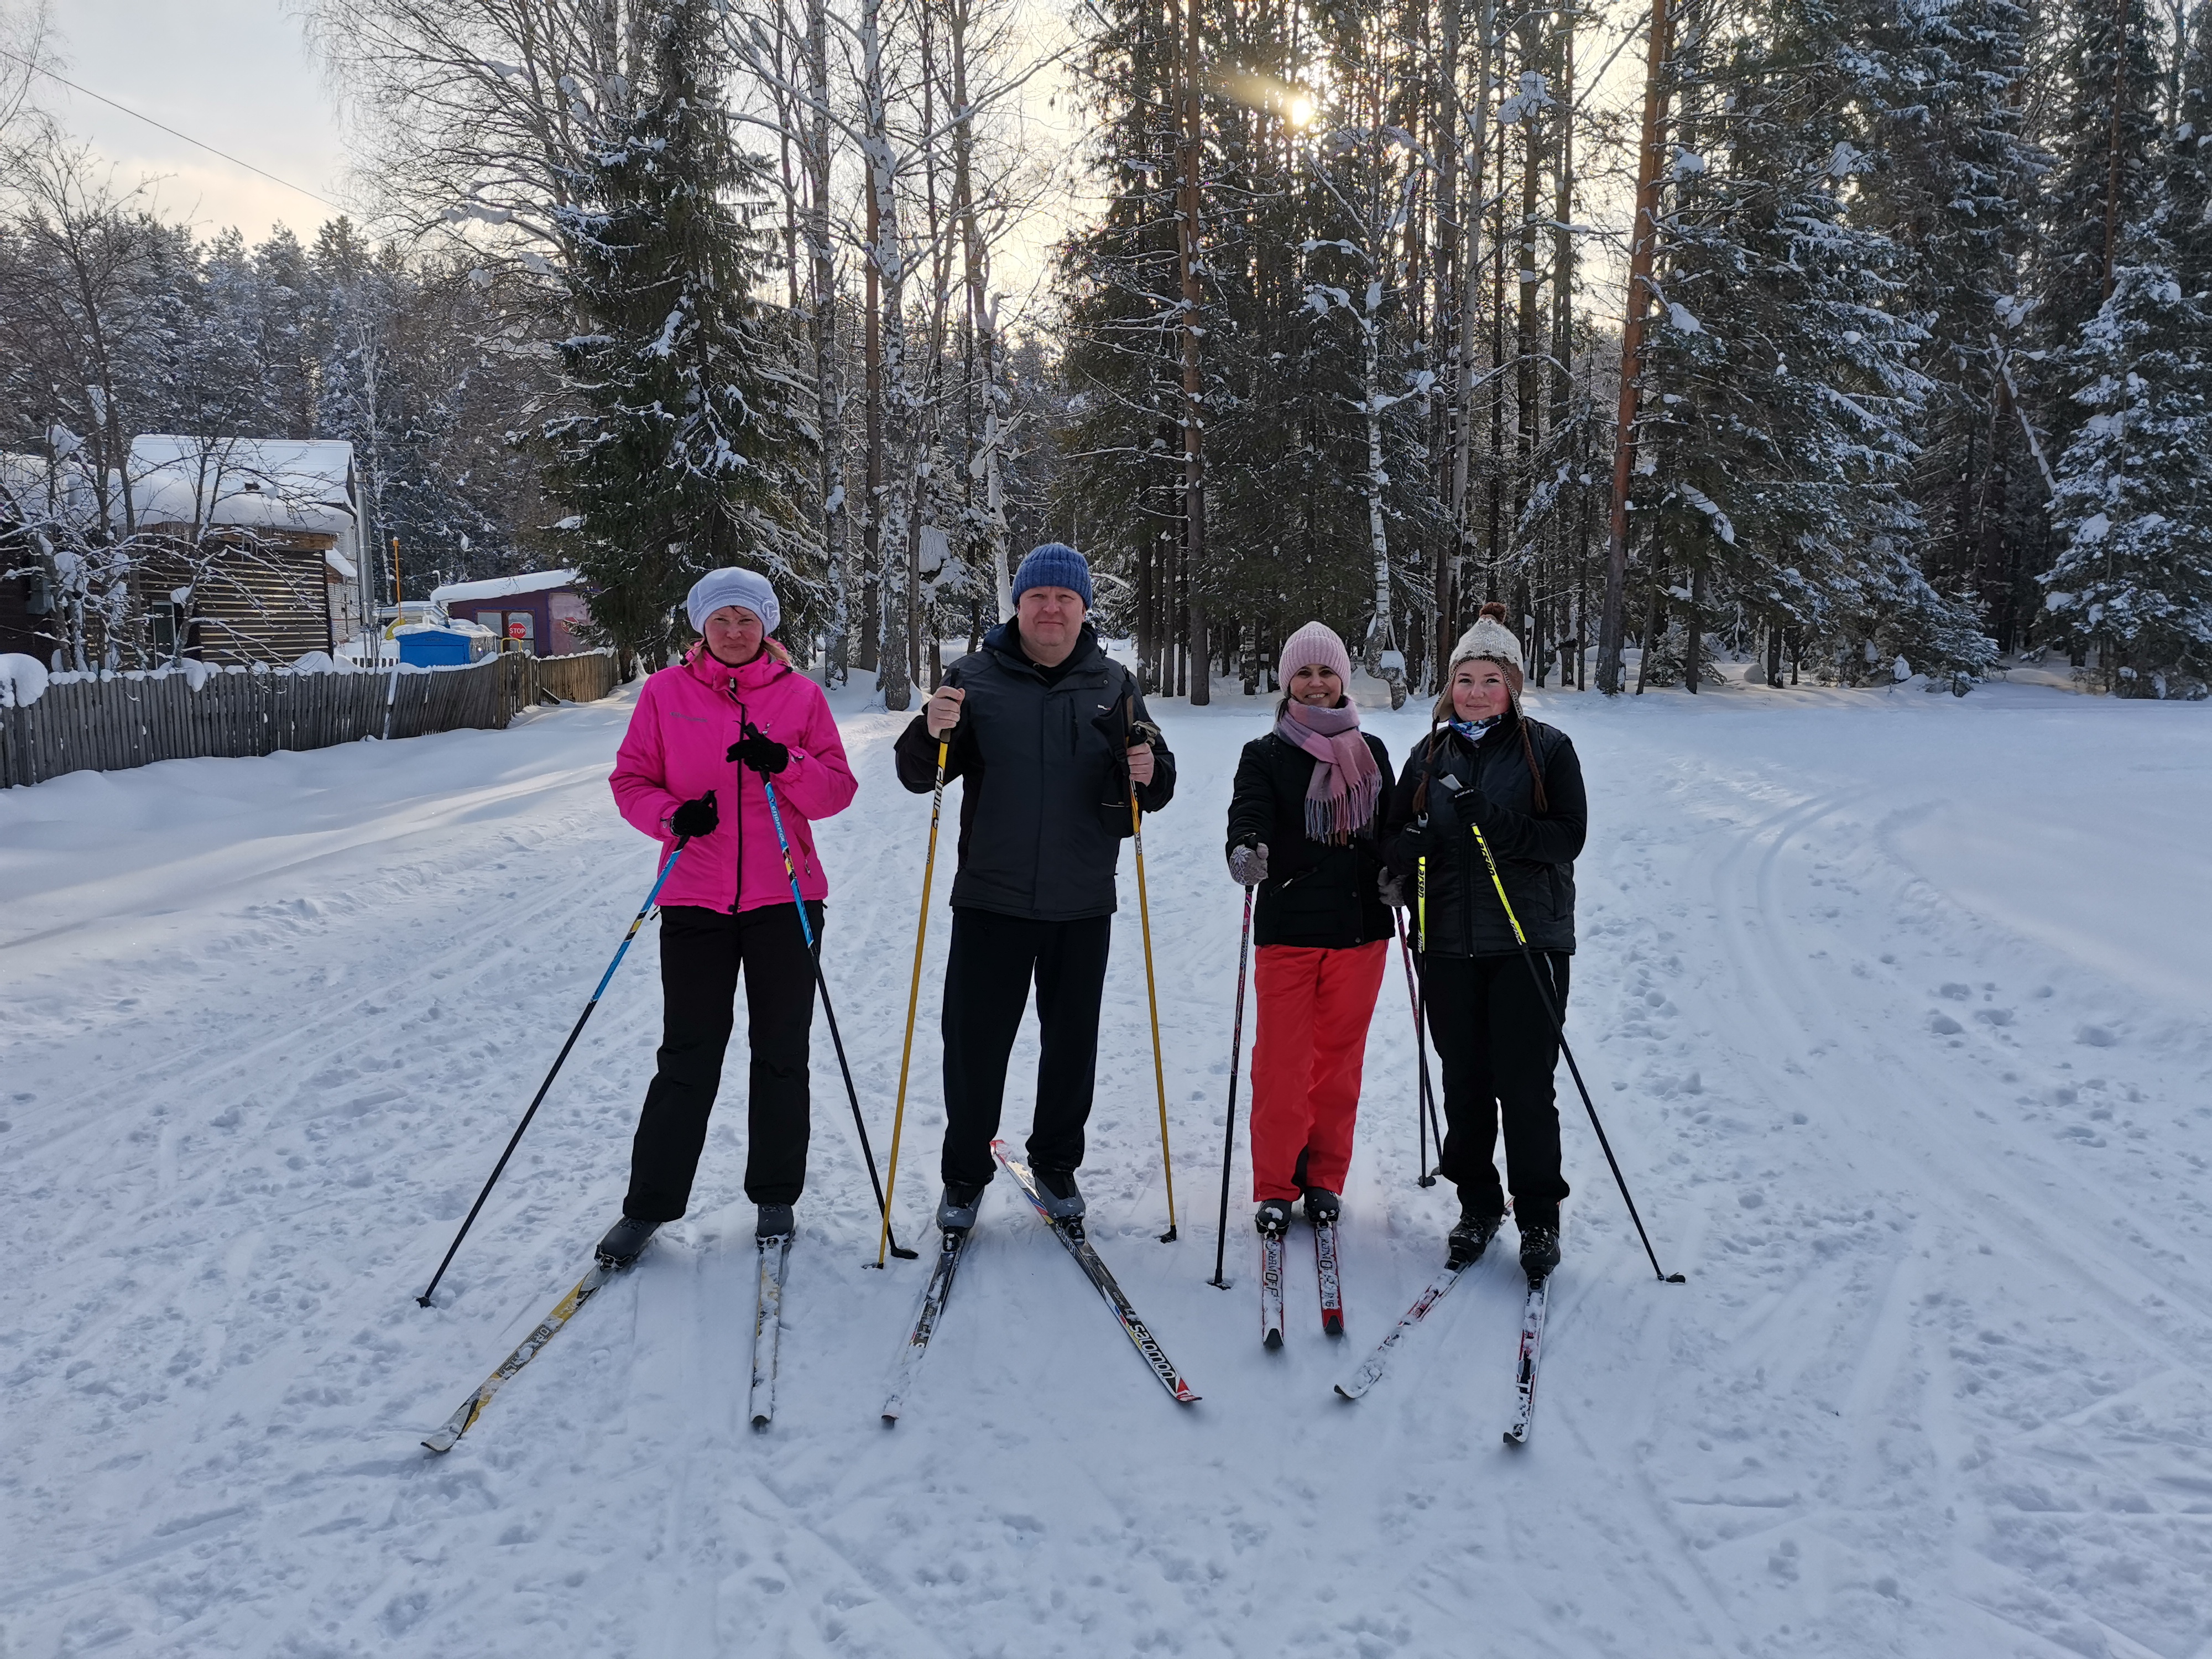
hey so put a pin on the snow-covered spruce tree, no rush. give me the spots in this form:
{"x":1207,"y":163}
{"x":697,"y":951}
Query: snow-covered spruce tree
{"x":1951,"y":182}
{"x":2134,"y":505}
{"x":1780,"y":439}
{"x":685,"y":455}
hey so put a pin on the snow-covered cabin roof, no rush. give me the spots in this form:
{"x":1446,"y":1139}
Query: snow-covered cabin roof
{"x":263,"y":483}
{"x":504,"y":587}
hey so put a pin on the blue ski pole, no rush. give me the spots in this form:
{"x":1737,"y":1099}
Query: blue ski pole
{"x":575,"y":1031}
{"x":814,"y":955}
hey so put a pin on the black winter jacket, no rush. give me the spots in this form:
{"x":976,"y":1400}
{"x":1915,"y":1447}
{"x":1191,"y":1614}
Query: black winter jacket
{"x":1535,"y":853}
{"x":1046,"y":806}
{"x":1316,"y":895}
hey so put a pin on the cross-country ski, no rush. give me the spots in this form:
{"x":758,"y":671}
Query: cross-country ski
{"x":953,"y":1242}
{"x":1070,"y":1233}
{"x":443,"y":1438}
{"x":768,"y":1327}
{"x":1524,"y":1371}
{"x":1270,"y":1290}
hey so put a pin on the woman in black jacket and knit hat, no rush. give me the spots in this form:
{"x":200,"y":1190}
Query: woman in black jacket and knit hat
{"x":1485,"y":764}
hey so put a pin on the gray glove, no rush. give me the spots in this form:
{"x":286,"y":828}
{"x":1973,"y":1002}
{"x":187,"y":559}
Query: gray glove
{"x":1393,"y":889}
{"x":1248,"y":866}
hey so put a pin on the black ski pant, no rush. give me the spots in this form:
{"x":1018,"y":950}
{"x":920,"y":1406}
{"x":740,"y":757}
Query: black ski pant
{"x":988,"y":975}
{"x":701,"y":952}
{"x":1500,"y":1051}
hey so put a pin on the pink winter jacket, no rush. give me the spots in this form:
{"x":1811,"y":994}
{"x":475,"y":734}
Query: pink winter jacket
{"x":676,"y":749}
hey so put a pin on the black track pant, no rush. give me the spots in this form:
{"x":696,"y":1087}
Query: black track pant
{"x":701,"y":953}
{"x":986,"y":987}
{"x":1498,"y":1052}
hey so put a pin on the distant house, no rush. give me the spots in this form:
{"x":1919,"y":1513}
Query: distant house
{"x":256,"y":552}
{"x":542,"y":612}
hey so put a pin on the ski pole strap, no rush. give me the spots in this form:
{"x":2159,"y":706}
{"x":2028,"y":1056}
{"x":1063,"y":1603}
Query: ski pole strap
{"x":1481,"y":840}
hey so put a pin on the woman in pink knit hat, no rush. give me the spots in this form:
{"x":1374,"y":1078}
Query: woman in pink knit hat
{"x":1305,"y":825}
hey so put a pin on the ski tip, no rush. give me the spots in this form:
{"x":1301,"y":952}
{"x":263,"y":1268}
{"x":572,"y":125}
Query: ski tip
{"x":1332,"y":1327}
{"x":1183,"y":1396}
{"x":1513,"y":1439}
{"x":442,"y":1442}
{"x":890,"y":1419}
{"x":1271,"y":1341}
{"x":1343,"y":1393}
{"x":761,"y":1420}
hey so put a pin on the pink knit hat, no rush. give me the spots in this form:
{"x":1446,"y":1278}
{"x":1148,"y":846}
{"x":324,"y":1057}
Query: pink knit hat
{"x":1315,"y":645}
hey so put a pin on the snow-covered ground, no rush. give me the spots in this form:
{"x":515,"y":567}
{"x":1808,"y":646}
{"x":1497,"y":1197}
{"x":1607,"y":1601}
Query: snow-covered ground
{"x":1895,"y":1005}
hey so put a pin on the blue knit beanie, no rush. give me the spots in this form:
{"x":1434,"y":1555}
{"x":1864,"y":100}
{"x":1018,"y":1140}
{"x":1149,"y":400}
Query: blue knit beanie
{"x":1056,"y":564}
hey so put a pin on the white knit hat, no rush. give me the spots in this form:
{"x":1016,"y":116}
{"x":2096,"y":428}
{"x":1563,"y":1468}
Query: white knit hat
{"x":1491,"y":640}
{"x":732,"y":586}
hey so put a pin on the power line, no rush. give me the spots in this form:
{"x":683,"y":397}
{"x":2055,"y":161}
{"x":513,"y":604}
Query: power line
{"x":41,"y":69}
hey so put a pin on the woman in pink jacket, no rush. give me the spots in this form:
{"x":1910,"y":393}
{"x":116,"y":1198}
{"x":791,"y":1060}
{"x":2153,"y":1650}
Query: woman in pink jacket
{"x":708,"y":731}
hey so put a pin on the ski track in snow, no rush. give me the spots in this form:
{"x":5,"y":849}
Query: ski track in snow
{"x":1894,"y":1006}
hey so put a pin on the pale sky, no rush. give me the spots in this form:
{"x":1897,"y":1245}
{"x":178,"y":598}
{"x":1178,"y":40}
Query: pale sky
{"x":234,"y":74}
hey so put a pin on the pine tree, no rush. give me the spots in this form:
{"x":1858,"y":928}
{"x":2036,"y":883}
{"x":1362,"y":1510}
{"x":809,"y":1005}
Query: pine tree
{"x":2133,"y":503}
{"x":686,"y":455}
{"x":1781,"y":437}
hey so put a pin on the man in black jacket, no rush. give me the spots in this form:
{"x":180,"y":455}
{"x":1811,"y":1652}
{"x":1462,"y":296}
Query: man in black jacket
{"x":1050,"y":735}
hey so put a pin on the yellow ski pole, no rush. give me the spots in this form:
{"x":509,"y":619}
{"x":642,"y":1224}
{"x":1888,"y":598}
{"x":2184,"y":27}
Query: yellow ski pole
{"x":1559,"y":1029}
{"x":913,"y":1000}
{"x":1153,"y":997}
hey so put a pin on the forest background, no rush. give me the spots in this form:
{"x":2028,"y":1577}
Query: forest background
{"x":1862,"y":337}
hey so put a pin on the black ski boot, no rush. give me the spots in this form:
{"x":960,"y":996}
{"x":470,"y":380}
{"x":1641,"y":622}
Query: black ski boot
{"x":1061,"y":1201}
{"x":1322,"y":1207}
{"x":624,"y":1240}
{"x":956,"y":1211}
{"x":776,"y":1221}
{"x":1272,"y":1218}
{"x":1467,"y":1241}
{"x":1540,"y":1252}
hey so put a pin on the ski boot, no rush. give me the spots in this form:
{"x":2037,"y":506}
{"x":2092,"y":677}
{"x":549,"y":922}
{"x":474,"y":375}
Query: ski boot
{"x":775,"y":1221}
{"x":1272,"y":1218}
{"x":1464,"y":1246}
{"x":956,"y":1211}
{"x":624,"y":1240}
{"x":1540,"y":1252}
{"x":1061,"y":1200}
{"x":1322,"y":1207}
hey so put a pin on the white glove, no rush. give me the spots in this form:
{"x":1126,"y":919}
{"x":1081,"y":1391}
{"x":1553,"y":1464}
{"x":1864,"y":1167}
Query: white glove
{"x":1248,"y":866}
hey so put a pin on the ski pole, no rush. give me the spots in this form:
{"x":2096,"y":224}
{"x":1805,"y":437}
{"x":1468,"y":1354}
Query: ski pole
{"x":1229,"y":1131}
{"x":538,"y":1099}
{"x":1424,"y":1105}
{"x":1559,"y":1028}
{"x":1153,"y":998}
{"x":913,"y":995}
{"x":814,"y":955}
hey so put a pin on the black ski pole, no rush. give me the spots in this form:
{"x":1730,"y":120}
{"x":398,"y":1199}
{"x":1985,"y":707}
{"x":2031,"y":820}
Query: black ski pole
{"x":538,"y":1099}
{"x":1229,"y":1131}
{"x":1425,"y":1104}
{"x":814,"y":955}
{"x":1559,"y":1028}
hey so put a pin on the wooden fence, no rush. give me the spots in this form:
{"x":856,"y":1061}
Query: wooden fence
{"x":127,"y":719}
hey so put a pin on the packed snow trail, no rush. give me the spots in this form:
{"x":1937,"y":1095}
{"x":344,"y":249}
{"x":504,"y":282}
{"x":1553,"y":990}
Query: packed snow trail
{"x":1894,"y":1006}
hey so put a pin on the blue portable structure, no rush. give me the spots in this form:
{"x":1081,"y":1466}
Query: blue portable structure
{"x":438,"y":647}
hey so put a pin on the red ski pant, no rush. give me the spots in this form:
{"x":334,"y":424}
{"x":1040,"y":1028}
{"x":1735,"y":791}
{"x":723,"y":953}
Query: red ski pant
{"x":1313,"y":1009}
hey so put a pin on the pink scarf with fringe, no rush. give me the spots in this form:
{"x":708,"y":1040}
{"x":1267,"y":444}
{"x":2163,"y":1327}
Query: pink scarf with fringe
{"x":1340,"y":800}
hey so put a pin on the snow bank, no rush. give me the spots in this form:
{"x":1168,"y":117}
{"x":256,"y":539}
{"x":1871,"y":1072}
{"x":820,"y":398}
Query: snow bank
{"x":23,"y":679}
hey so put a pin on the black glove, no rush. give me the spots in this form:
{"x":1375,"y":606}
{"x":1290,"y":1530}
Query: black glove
{"x":695,"y":818}
{"x":760,"y":751}
{"x":1469,"y":802}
